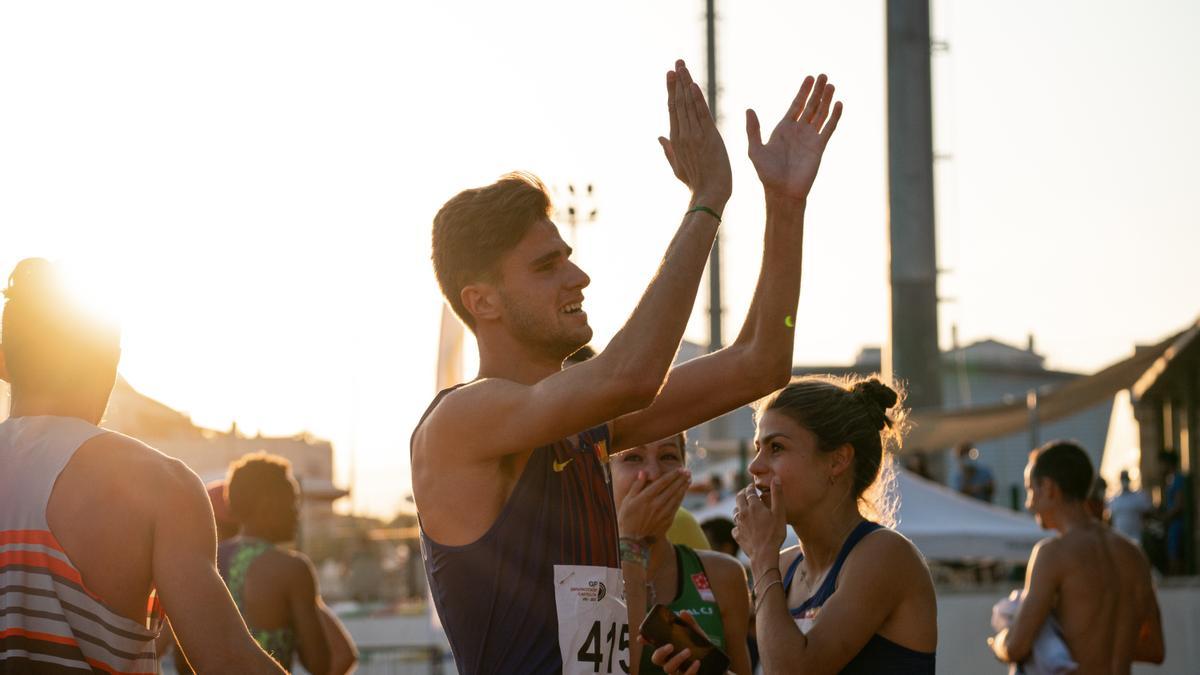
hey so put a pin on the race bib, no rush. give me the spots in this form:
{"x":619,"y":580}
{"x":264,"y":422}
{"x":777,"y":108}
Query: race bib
{"x":593,"y":624}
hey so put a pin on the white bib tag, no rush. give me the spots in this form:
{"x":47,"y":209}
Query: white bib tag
{"x":593,"y":624}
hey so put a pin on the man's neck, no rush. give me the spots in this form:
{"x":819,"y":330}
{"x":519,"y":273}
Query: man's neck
{"x":1072,"y":516}
{"x":505,"y":358}
{"x":34,"y":406}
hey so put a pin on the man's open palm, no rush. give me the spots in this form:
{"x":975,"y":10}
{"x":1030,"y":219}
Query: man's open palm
{"x":787,"y":163}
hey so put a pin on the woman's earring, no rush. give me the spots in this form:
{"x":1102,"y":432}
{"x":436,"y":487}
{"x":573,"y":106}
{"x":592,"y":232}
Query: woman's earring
{"x":831,"y":479}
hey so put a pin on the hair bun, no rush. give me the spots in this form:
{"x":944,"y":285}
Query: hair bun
{"x":31,"y":276}
{"x":878,"y":396}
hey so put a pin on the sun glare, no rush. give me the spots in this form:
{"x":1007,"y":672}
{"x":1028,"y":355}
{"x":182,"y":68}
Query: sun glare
{"x":92,"y":290}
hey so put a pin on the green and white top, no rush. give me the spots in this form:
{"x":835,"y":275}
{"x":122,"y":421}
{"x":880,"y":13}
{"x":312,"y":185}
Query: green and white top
{"x":694,"y":593}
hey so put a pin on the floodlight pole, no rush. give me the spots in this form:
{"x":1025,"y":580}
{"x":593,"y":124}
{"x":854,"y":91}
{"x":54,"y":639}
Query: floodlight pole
{"x":718,"y":427}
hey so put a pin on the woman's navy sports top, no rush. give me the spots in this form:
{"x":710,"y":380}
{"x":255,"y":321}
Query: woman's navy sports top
{"x":880,"y":656}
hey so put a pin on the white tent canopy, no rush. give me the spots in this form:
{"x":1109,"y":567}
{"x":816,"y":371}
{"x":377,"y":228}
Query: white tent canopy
{"x":945,"y":525}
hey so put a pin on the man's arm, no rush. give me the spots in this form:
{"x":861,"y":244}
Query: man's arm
{"x":492,"y":418}
{"x":1150,"y":647}
{"x":760,"y":360}
{"x":206,"y":622}
{"x":1013,"y":644}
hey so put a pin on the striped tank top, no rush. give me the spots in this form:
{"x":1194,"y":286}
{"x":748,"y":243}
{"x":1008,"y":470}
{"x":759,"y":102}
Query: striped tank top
{"x":496,"y":596}
{"x":49,"y":621}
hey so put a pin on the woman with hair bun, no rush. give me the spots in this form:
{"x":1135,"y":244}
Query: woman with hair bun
{"x":854,"y":596}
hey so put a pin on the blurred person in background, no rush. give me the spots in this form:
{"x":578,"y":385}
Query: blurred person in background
{"x":227,"y":524}
{"x":1096,"y":497}
{"x":1174,"y":512}
{"x":719,"y":532}
{"x":855,"y":596}
{"x":1127,"y":510}
{"x":79,"y":502}
{"x":275,"y":588}
{"x":716,"y":490}
{"x":709,"y":585}
{"x":1094,"y":583}
{"x":343,"y":654}
{"x":973,"y":478}
{"x":917,"y":463}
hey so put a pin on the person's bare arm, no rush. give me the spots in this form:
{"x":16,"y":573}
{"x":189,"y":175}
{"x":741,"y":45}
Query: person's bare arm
{"x":883,"y":566}
{"x":207,"y":623}
{"x":759,"y":361}
{"x":304,"y":609}
{"x":1014,"y":644}
{"x":1150,"y":647}
{"x":492,"y":418}
{"x":728,"y":579}
{"x":342,"y":652}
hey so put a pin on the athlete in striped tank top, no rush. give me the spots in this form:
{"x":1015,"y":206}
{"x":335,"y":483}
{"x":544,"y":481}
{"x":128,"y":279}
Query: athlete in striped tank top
{"x":517,"y":520}
{"x":92,"y":522}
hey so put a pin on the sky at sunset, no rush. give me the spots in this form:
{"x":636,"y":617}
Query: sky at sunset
{"x":250,"y":185}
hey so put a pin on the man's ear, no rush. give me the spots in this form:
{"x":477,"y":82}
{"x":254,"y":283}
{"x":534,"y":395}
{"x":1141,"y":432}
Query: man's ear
{"x":4,"y":366}
{"x":1049,"y":489}
{"x":482,"y":301}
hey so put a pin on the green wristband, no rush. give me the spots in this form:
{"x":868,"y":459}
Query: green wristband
{"x":707,"y":210}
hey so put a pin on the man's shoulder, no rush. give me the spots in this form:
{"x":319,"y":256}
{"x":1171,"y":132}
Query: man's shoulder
{"x":1128,"y":552}
{"x":454,"y":403}
{"x":130,"y":460}
{"x":1051,"y":550}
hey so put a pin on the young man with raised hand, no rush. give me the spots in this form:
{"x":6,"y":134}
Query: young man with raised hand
{"x":519,"y":531}
{"x":1093,"y":581}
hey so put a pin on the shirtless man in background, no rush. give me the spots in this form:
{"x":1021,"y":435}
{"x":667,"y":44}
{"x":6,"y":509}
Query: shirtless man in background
{"x":87,"y":513}
{"x":1096,"y":582}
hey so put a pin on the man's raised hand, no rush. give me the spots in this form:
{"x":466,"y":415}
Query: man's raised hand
{"x":695,"y":149}
{"x":787,"y":164}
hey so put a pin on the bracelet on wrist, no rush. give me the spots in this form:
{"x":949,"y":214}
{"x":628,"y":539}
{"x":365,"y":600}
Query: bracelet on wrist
{"x":765,"y":575}
{"x":634,"y":550}
{"x":759,"y":597}
{"x":704,"y":209}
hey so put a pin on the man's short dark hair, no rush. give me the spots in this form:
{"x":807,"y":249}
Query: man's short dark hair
{"x":252,"y":477}
{"x":1067,"y":465}
{"x":52,"y":344}
{"x":477,"y":227}
{"x":1169,"y":459}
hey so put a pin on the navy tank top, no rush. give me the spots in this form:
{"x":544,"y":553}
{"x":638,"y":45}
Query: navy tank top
{"x":880,"y":656}
{"x":495,"y":596}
